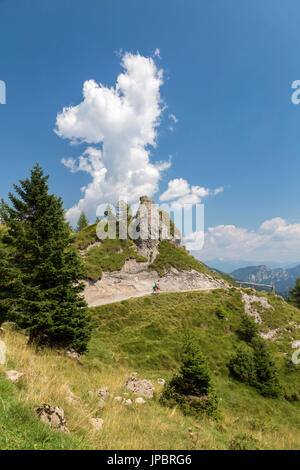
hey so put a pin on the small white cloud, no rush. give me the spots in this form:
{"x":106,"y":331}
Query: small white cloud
{"x":218,"y":190}
{"x":180,"y":192}
{"x":176,"y":188}
{"x":173,"y":117}
{"x":157,"y":53}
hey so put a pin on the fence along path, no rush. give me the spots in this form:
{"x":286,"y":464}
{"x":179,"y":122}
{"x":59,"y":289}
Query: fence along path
{"x":271,"y":286}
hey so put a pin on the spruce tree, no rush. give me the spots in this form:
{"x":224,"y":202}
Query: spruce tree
{"x":192,"y":389}
{"x":248,"y":329}
{"x":47,"y":301}
{"x":242,"y":364}
{"x":82,"y":222}
{"x":9,"y":285}
{"x":266,"y":373}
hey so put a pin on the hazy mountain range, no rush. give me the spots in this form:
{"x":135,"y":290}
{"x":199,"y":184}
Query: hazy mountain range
{"x":282,"y":275}
{"x":230,"y":265}
{"x":281,"y":278}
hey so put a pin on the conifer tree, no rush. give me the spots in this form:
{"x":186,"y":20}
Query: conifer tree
{"x":294,"y":297}
{"x":9,"y":286}
{"x":266,"y":373}
{"x":192,"y":389}
{"x":82,"y":222}
{"x":248,"y":329}
{"x":46,"y":298}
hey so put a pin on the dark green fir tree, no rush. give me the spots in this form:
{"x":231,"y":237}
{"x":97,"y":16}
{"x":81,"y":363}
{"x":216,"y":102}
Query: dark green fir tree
{"x":46,"y":297}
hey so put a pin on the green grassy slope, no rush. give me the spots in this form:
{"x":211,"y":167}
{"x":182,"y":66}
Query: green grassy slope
{"x":177,"y":257}
{"x":145,"y":335}
{"x":20,"y":428}
{"x":85,"y":237}
{"x":147,"y":331}
{"x":109,"y":256}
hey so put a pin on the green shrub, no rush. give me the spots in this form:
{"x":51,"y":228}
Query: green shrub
{"x":248,"y":329}
{"x":192,"y":388}
{"x":85,"y":237}
{"x":291,"y":396}
{"x":242,"y":365}
{"x":243,"y":442}
{"x":221,"y":313}
{"x":253,"y":365}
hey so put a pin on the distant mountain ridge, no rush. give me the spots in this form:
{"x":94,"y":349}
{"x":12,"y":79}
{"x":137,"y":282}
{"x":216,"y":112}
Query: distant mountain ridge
{"x":229,"y":265}
{"x":280,"y":277}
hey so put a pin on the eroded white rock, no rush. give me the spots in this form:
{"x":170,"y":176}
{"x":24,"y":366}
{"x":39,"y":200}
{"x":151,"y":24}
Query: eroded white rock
{"x":140,"y":387}
{"x":140,"y":401}
{"x":14,"y":376}
{"x":53,"y":417}
{"x":127,"y":401}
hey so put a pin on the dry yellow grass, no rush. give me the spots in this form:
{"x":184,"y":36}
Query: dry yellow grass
{"x":148,"y":426}
{"x":137,"y":427}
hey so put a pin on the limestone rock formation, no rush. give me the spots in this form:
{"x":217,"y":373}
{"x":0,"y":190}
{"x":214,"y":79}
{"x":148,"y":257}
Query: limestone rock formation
{"x":143,"y":388}
{"x":53,"y":417}
{"x":140,"y":401}
{"x":150,"y":227}
{"x":250,"y":302}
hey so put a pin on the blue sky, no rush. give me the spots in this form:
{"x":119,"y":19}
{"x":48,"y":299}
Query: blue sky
{"x":227,"y":73}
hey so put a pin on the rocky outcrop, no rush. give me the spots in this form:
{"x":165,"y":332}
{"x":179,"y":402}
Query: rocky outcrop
{"x":150,"y":227}
{"x":250,"y":308}
{"x":53,"y":417}
{"x":144,"y":388}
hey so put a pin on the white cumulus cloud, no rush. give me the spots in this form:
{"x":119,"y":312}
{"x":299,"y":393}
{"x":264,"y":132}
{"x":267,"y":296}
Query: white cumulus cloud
{"x":119,"y":124}
{"x":275,"y":239}
{"x":180,"y":192}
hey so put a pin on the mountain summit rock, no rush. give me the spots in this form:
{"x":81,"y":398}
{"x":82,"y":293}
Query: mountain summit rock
{"x":151,"y":226}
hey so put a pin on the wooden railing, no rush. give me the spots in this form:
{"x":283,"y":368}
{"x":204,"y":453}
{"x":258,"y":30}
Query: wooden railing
{"x":271,"y":286}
